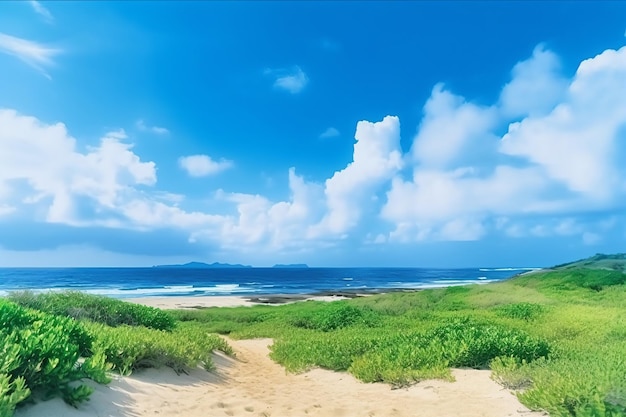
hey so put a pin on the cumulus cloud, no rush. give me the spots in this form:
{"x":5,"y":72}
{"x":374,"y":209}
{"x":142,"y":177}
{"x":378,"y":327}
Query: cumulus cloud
{"x":142,"y":127}
{"x":45,"y":159}
{"x":32,"y":53}
{"x":560,"y":155}
{"x":42,"y":11}
{"x":536,"y":87}
{"x":449,"y":127}
{"x":577,"y":143}
{"x":292,"y":80}
{"x":203,"y":165}
{"x":331,"y":132}
{"x":268,"y":226}
{"x":376,"y":158}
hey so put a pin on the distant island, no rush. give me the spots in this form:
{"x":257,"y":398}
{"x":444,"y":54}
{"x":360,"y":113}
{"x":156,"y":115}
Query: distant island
{"x":290,"y":266}
{"x":202,"y":265}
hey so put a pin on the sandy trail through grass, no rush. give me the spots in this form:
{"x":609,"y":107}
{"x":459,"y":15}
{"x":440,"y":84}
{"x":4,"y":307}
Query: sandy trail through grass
{"x":253,"y":385}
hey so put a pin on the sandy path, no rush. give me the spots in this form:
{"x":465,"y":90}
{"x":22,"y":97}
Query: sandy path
{"x":253,"y":385}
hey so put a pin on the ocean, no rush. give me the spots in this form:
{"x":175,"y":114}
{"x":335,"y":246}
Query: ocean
{"x":152,"y":282}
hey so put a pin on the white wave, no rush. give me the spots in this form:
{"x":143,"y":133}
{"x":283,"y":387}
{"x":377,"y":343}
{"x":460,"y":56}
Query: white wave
{"x":507,"y":269}
{"x":172,"y":290}
{"x":348,"y":279}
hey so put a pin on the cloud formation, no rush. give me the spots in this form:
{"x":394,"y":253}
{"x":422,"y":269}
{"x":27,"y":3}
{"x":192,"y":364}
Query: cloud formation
{"x":292,"y":80}
{"x":42,"y":11}
{"x":32,"y":53}
{"x":559,"y":156}
{"x":158,"y":130}
{"x":331,"y":132}
{"x":42,"y":172}
{"x":203,"y":165}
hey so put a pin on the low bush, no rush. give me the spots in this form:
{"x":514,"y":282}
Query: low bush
{"x":129,"y":348}
{"x":521,"y":311}
{"x":100,"y":309}
{"x":39,"y":354}
{"x":333,"y":316}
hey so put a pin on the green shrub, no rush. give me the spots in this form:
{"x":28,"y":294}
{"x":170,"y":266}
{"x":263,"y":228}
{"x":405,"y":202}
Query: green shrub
{"x":39,"y":353}
{"x":129,"y":348}
{"x":521,"y":311}
{"x":12,"y":392}
{"x":96,"y":308}
{"x":333,"y":316}
{"x":303,"y":351}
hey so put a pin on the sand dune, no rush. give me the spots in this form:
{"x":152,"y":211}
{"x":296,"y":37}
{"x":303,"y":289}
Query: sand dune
{"x":253,"y":385}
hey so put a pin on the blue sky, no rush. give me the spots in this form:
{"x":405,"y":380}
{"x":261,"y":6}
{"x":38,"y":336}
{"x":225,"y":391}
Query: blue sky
{"x":442,"y":134}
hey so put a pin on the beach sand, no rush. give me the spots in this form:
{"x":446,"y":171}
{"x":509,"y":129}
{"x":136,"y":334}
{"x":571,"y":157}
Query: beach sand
{"x":251,"y":384}
{"x":228,"y":300}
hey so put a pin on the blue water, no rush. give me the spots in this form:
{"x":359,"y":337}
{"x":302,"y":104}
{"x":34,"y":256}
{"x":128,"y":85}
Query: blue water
{"x":150,"y":282}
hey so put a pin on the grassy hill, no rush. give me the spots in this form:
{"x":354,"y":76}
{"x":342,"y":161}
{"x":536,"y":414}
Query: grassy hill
{"x":615,"y":262}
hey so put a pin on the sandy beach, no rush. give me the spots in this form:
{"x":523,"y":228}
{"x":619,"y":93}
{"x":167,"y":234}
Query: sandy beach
{"x":253,"y":385}
{"x":228,"y":300}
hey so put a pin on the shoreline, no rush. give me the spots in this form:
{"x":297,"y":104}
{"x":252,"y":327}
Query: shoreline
{"x":208,"y":301}
{"x":172,"y":302}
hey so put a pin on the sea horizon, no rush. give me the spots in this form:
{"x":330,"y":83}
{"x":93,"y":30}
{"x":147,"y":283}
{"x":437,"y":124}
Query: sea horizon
{"x":135,"y":282}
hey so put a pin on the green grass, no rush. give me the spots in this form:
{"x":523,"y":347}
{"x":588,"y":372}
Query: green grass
{"x":557,"y":337}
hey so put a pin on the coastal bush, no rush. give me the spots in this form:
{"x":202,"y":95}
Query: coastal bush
{"x":39,"y":354}
{"x":431,"y":354}
{"x":332,"y":316}
{"x":96,"y":308}
{"x":521,"y":311}
{"x":12,"y":392}
{"x":129,"y":348}
{"x":335,"y":351}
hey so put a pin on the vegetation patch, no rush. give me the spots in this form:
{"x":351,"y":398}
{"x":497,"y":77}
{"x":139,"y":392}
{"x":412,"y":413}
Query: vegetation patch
{"x":99,"y":309}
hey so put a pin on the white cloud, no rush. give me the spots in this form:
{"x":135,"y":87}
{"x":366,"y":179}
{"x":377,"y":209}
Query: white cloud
{"x":32,"y":53}
{"x":293,"y":80}
{"x":267,"y":226}
{"x":377,"y":158}
{"x":331,"y":132}
{"x":56,"y":175}
{"x":42,"y":11}
{"x":450,"y":125}
{"x":564,"y":156}
{"x":142,"y":127}
{"x":203,"y":165}
{"x":537,"y":85}
{"x":576,"y":143}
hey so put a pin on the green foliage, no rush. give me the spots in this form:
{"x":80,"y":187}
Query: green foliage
{"x":12,"y":392}
{"x":39,"y":353}
{"x":128,"y":348}
{"x":95,"y":308}
{"x":521,"y":311}
{"x":333,"y":316}
{"x":336,"y":350}
{"x":406,"y":356}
